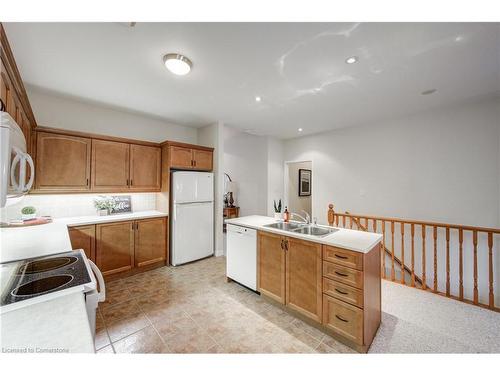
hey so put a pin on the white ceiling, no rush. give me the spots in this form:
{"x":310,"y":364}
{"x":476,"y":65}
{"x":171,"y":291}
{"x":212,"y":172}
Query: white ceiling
{"x":297,"y":69}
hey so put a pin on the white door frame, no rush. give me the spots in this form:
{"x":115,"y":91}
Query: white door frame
{"x":285,"y":182}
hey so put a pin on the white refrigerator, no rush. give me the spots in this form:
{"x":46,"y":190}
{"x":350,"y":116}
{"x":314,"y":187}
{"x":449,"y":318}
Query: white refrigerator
{"x":192,"y":223}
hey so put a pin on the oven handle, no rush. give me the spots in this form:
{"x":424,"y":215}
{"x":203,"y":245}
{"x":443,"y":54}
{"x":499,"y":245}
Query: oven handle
{"x":100,"y":281}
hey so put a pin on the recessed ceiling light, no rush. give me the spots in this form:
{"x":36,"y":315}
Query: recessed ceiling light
{"x":258,"y":98}
{"x":459,"y":38}
{"x":177,"y":64}
{"x":351,"y":60}
{"x":299,"y":129}
{"x":428,"y":92}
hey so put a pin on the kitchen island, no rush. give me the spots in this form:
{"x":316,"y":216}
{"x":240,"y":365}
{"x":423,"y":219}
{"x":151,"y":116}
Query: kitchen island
{"x":332,"y":282}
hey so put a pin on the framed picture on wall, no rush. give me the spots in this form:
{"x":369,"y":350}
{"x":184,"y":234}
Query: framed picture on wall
{"x":305,"y":178}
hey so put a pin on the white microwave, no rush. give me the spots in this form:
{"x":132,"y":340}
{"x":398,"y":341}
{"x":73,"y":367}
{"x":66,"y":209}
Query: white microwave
{"x":16,"y":178}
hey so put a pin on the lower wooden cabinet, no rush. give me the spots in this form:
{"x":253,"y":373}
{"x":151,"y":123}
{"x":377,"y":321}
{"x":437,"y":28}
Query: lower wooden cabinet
{"x":290,"y":273}
{"x":115,"y":247}
{"x":122,"y":246}
{"x":150,"y":241}
{"x":84,"y":238}
{"x":343,"y":318}
{"x":303,"y":277}
{"x":271,"y":266}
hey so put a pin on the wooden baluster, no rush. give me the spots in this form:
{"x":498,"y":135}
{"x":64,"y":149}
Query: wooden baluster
{"x":413,"y":255}
{"x":343,"y":221}
{"x":447,"y":262}
{"x":383,"y":249}
{"x":424,"y":283}
{"x":374,"y":224}
{"x":474,"y":241}
{"x":366,"y":224}
{"x":350,"y":222}
{"x":331,"y":214}
{"x":336,"y":220}
{"x":403,"y":253}
{"x":490,"y":268}
{"x":461,"y":264}
{"x":392,"y":251}
{"x":435,"y":261}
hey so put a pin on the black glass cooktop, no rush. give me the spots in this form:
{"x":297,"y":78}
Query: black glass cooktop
{"x":38,"y":276}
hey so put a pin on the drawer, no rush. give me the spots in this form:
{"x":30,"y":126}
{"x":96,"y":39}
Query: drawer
{"x":343,"y":257}
{"x":343,"y":274}
{"x":343,"y":292}
{"x":342,"y":318}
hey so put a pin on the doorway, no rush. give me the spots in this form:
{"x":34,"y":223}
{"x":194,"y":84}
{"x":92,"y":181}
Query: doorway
{"x":298,"y":187}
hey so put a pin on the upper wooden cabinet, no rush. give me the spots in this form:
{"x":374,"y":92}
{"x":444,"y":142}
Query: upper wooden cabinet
{"x":70,"y":161}
{"x":145,"y":167}
{"x":271,"y":265}
{"x":183,"y":156}
{"x":110,"y":165}
{"x":150,"y":241}
{"x":62,"y":162}
{"x":303,"y":277}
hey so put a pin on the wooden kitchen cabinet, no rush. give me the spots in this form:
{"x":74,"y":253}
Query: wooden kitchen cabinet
{"x":271,"y":266}
{"x":83,"y":237}
{"x":110,"y":165}
{"x":202,"y":160}
{"x":150,"y":241}
{"x":62,"y":162}
{"x":115,"y":247}
{"x":304,"y":278}
{"x":181,"y":157}
{"x":145,"y":167}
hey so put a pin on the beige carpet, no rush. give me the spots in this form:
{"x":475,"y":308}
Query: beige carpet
{"x":415,"y":321}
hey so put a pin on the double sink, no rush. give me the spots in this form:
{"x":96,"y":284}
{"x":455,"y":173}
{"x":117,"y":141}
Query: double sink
{"x":307,"y":229}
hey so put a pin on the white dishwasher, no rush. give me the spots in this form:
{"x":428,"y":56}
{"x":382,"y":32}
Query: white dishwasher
{"x":241,"y":257}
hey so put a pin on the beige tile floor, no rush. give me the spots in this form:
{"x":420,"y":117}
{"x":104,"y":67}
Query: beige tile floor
{"x":192,"y":309}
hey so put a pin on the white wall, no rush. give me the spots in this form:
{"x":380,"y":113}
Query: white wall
{"x":67,"y":113}
{"x":295,"y":202}
{"x":442,"y":166}
{"x":212,"y":136}
{"x":275,"y":173}
{"x":246,"y":161}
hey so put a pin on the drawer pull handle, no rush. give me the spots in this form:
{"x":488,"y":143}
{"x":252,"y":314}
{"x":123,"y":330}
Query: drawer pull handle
{"x":341,"y":274}
{"x":341,"y":256}
{"x":341,"y":292}
{"x":339,"y":318}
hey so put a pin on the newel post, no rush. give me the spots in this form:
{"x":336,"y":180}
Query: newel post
{"x":331,"y":215}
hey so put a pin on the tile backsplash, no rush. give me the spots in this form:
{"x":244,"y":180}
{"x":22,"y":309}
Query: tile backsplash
{"x":66,"y":205}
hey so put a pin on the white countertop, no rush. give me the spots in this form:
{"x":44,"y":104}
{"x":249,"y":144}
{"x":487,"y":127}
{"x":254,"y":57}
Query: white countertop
{"x":95,"y":219}
{"x":60,"y":325}
{"x":349,"y":239}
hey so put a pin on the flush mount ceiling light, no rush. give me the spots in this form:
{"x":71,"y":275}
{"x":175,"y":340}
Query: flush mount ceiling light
{"x":258,"y":98}
{"x":351,"y":60}
{"x":428,"y":92}
{"x":177,"y":64}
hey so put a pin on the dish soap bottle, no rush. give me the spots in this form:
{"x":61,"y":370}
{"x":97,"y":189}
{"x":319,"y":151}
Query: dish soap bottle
{"x":286,"y":215}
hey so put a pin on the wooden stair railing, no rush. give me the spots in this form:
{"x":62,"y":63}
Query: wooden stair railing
{"x":414,"y":278}
{"x":474,"y":245}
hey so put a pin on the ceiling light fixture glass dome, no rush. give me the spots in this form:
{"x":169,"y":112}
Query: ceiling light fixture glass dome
{"x":177,"y":63}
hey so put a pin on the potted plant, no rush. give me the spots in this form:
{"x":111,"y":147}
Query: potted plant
{"x":277,"y":210}
{"x":104,"y":205}
{"x":28,"y":213}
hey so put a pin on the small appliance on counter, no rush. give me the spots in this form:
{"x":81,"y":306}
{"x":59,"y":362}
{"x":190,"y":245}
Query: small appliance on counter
{"x":35,"y":280}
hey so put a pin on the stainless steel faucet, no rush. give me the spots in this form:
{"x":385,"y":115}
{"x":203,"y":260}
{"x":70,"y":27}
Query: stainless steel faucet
{"x":306,"y":219}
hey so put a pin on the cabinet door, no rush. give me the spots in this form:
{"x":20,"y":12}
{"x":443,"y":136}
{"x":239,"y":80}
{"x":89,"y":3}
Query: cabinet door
{"x":110,"y":165}
{"x":181,"y":157}
{"x":62,"y":162}
{"x":150,"y":241}
{"x":84,"y":238}
{"x":202,"y":160}
{"x":271,"y":266}
{"x":145,"y":167}
{"x":115,"y":247}
{"x":303,"y":277}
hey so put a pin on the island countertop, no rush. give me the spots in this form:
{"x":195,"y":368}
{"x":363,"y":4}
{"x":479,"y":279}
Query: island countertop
{"x":350,"y":239}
